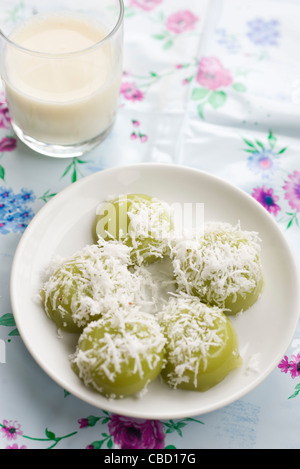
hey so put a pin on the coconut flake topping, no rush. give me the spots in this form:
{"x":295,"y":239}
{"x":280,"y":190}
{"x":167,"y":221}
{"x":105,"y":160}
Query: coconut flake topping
{"x":92,"y":282}
{"x":129,"y":340}
{"x":223,"y":262}
{"x":194,"y":333}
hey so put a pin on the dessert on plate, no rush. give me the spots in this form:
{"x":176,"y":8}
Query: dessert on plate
{"x":86,"y":285}
{"x":221,"y":266}
{"x":140,"y":221}
{"x":121,"y":353}
{"x":201,"y":344}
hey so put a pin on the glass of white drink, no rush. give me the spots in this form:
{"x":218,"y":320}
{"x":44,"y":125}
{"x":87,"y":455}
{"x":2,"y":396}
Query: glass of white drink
{"x":61,"y":68}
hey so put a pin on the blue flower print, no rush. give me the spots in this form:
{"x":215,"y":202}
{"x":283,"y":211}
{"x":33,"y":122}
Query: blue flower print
{"x":263,"y":157}
{"x":228,"y":41}
{"x":26,"y":196}
{"x":15,"y":214}
{"x":4,"y":227}
{"x":263,"y":32}
{"x":6,"y":194}
{"x":264,"y":162}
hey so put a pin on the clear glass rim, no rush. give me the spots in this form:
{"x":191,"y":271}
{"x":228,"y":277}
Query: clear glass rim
{"x":76,"y":52}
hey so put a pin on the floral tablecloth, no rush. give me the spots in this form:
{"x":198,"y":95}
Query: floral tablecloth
{"x":213,"y":85}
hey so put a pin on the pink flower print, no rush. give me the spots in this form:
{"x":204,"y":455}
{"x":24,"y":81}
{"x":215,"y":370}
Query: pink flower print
{"x":11,"y":429}
{"x":292,"y":190}
{"x":129,"y":433}
{"x":136,"y":132}
{"x":284,"y":365}
{"x":295,"y":366}
{"x":88,"y":421}
{"x":15,"y":446}
{"x":134,"y":136}
{"x":144,"y":138}
{"x":131,"y":92}
{"x":83,"y":423}
{"x":212,"y":75}
{"x":181,"y":22}
{"x":4,"y":113}
{"x":146,"y":5}
{"x":267,"y":199}
{"x":292,"y":366}
{"x":8,"y":144}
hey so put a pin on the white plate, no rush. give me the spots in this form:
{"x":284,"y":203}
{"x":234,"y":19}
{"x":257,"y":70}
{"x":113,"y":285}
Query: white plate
{"x":63,"y":226}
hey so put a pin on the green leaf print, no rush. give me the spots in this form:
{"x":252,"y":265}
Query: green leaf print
{"x":168,"y":44}
{"x":176,"y":426}
{"x":257,"y":146}
{"x":47,"y":195}
{"x":240,"y":87}
{"x":272,"y":140}
{"x":99,"y":443}
{"x":50,"y":435}
{"x":260,"y":144}
{"x":217,"y":99}
{"x":297,"y":391}
{"x":8,"y":320}
{"x":14,"y":332}
{"x":293,"y":219}
{"x":200,"y":109}
{"x":282,"y":150}
{"x":73,"y":168}
{"x":199,"y":93}
{"x":159,"y":37}
{"x":2,"y":172}
{"x":51,"y":438}
{"x":250,"y":144}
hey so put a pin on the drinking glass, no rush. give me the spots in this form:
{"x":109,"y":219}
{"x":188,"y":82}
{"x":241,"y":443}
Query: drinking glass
{"x":61,"y":68}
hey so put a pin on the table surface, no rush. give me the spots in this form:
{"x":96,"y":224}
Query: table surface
{"x":208,"y":85}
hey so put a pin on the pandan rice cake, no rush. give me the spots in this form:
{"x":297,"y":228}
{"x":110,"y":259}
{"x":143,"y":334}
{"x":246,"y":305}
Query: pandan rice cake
{"x":88,"y":284}
{"x":201,"y":344}
{"x":141,"y":222}
{"x":221,"y":266}
{"x":121,"y":353}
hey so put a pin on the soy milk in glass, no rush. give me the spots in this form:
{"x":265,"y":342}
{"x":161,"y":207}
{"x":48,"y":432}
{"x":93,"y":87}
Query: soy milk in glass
{"x":61,"y":71}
